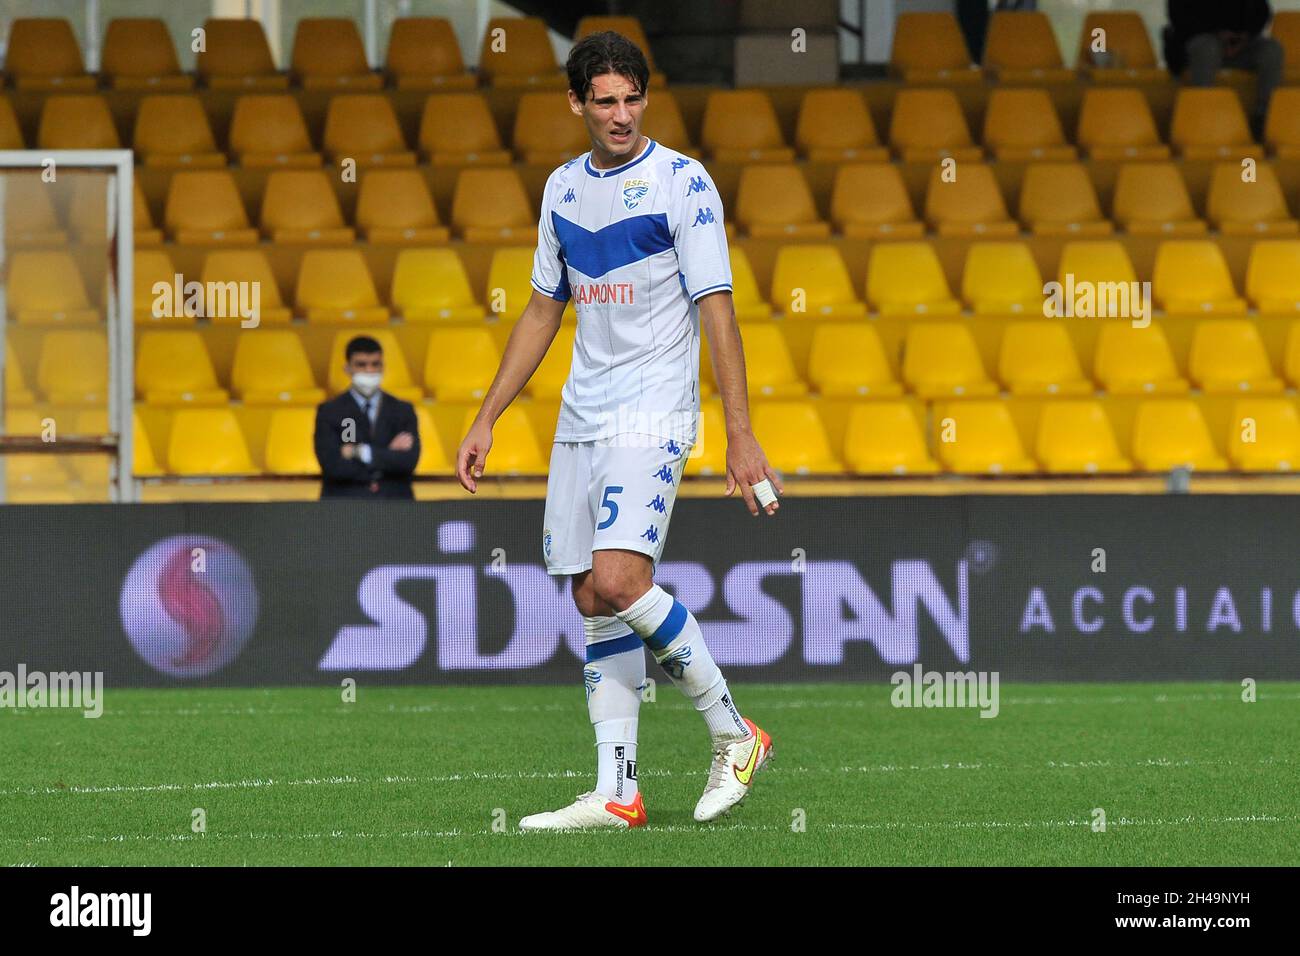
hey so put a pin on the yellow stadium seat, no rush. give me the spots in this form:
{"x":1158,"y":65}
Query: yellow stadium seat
{"x":1264,"y":435}
{"x":144,"y":462}
{"x":979,"y":437}
{"x":848,"y":360}
{"x":1116,"y":124}
{"x":291,"y":442}
{"x":1254,"y":208}
{"x":1282,"y":127}
{"x":1037,"y":358}
{"x":1001,"y":278}
{"x":870,"y":201}
{"x":969,"y":206}
{"x":1209,"y":123}
{"x":363,"y":127}
{"x":237,"y":57}
{"x":509,"y":284}
{"x":812,"y":280}
{"x":328,"y":55}
{"x":1285,"y":29}
{"x":1076,"y":437}
{"x":1228,"y":356}
{"x":204,"y":209}
{"x":270,"y":131}
{"x":1058,"y":199}
{"x":546,"y":131}
{"x":490,"y":205}
{"x":740,"y":127}
{"x":834,"y":126}
{"x":1191,"y":276}
{"x":905,"y":278}
{"x":430,"y":285}
{"x":1136,"y":361}
{"x":271,"y":368}
{"x":795,"y":439}
{"x":334,"y":285}
{"x":929,"y":48}
{"x":774,"y":202}
{"x":769,"y":369}
{"x":885,"y":438}
{"x":173,"y":131}
{"x":16,"y":392}
{"x":397,"y":372}
{"x":549,"y":379}
{"x":941,"y":359}
{"x":514,"y":445}
{"x":926,"y":125}
{"x":433,"y":457}
{"x":299,"y":206}
{"x":11,"y":134}
{"x":1291,"y":355}
{"x":207,"y":441}
{"x":1021,"y":125}
{"x":29,"y":216}
{"x":1151,"y":199}
{"x":138,"y":55}
{"x":1171,"y":433}
{"x":142,"y":222}
{"x":73,"y":367}
{"x":423,"y":54}
{"x":517,"y":53}
{"x":1126,"y":55}
{"x":709,"y":453}
{"x":394,"y":207}
{"x":173,"y":368}
{"x":45,"y":286}
{"x":250,"y":266}
{"x":42,"y":54}
{"x":461,"y":364}
{"x":77,"y":122}
{"x":153,"y":266}
{"x":456,"y":129}
{"x":35,"y":477}
{"x":1021,"y":48}
{"x":1273,"y":275}
{"x":748,"y":301}
{"x":663,"y":122}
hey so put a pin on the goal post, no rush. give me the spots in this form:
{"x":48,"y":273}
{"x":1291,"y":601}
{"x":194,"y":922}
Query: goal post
{"x":67,"y":382}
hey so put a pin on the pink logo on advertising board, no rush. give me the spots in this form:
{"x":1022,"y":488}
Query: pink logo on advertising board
{"x":189,"y":605}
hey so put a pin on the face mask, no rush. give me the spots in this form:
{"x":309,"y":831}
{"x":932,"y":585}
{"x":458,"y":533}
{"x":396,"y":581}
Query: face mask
{"x":367,"y":383}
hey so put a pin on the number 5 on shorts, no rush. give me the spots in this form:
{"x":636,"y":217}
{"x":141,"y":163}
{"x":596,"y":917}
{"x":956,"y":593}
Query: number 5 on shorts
{"x":607,"y":502}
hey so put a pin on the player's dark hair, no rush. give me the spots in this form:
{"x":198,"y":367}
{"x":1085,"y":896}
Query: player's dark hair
{"x":602,"y":53}
{"x":362,"y":345}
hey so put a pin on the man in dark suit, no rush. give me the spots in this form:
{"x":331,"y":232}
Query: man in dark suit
{"x":367,"y":441}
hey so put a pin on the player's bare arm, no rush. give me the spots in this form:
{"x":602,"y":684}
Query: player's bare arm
{"x":529,"y":341}
{"x":746,"y":463}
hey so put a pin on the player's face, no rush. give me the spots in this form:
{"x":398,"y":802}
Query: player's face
{"x":613,"y":116}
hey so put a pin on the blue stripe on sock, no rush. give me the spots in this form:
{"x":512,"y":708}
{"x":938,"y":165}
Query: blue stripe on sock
{"x":615,"y":645}
{"x":669,"y":629}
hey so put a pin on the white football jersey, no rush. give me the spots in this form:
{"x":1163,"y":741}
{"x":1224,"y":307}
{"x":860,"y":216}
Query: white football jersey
{"x":634,"y":247}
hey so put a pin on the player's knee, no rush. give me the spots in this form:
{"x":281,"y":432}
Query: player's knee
{"x":617,"y":589}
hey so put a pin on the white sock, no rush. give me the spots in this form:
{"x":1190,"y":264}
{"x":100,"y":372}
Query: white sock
{"x":614,"y":675}
{"x":677,"y":643}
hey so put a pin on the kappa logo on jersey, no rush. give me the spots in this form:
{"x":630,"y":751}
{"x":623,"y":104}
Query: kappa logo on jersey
{"x":651,"y":534}
{"x":679,"y":162}
{"x":703,"y":217}
{"x":658,"y":504}
{"x":677,"y":662}
{"x":665,"y":474}
{"x":546,"y":542}
{"x":697,"y":185}
{"x":635,"y":190}
{"x":568,"y":197}
{"x":671,"y":447}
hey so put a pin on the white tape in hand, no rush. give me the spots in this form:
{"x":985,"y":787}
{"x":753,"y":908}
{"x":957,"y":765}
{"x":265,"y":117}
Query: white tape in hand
{"x":764,"y":493}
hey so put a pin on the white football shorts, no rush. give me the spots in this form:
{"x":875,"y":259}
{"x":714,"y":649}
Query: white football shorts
{"x":614,"y":493}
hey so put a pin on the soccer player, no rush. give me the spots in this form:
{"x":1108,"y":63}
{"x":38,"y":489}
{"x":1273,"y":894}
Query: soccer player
{"x":632,"y":232}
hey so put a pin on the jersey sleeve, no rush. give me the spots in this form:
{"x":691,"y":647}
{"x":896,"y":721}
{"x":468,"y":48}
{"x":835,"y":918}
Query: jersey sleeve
{"x":550,"y":277}
{"x":699,"y":232}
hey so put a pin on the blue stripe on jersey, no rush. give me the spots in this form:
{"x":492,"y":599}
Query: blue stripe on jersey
{"x":706,"y":291}
{"x":616,"y":245}
{"x":603,"y":173}
{"x":669,"y":629}
{"x":617,"y":645}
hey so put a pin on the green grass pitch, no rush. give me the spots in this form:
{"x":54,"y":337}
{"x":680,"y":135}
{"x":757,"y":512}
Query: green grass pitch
{"x":1185,"y":773}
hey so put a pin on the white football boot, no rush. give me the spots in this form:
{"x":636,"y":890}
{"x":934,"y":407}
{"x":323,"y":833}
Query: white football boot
{"x":590,"y":811}
{"x":732,"y":773}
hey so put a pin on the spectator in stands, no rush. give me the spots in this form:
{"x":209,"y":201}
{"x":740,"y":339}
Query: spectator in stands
{"x":1205,"y":35}
{"x":367,"y":441}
